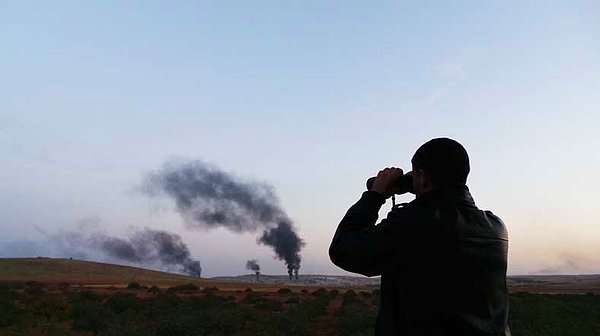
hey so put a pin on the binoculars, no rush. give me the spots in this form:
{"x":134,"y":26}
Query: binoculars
{"x":403,"y":183}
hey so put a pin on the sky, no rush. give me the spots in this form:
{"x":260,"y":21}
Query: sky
{"x":312,"y":97}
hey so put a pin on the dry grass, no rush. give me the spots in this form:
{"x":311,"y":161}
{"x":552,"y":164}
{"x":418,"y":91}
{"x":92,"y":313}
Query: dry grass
{"x":95,"y":274}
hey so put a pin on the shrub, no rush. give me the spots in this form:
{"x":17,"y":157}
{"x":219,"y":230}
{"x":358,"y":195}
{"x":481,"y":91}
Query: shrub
{"x":49,"y":308}
{"x":155,"y":307}
{"x":89,"y":316}
{"x":204,"y":315}
{"x":554,"y":315}
{"x":355,"y":318}
{"x":63,"y":286}
{"x":135,"y":286}
{"x":7,"y":294}
{"x":210,"y":290}
{"x":254,"y":297}
{"x":292,"y":300}
{"x":123,"y":326}
{"x":269,"y":305}
{"x":122,"y":302}
{"x":376,"y":297}
{"x":284,"y":291}
{"x":349,"y":294}
{"x":333,"y":293}
{"x":34,"y":288}
{"x":154,"y":290}
{"x":283,"y":326}
{"x":183,"y":288}
{"x":320,"y":292}
{"x":84,"y":297}
{"x":366,"y":295}
{"x":303,"y":312}
{"x":8,"y":313}
{"x":12,"y":285}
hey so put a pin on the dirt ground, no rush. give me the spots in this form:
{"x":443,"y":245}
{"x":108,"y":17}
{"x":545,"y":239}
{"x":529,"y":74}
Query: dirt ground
{"x":93,"y":274}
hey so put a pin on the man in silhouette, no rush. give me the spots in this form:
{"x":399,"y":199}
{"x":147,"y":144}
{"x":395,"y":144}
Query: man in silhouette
{"x":442,"y":261}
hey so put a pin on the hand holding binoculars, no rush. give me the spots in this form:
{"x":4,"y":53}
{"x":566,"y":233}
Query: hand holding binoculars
{"x":402,"y":184}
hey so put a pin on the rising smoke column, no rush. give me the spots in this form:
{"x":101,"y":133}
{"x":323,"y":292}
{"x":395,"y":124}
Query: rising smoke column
{"x":253,"y":265}
{"x":207,"y":197}
{"x":150,"y":246}
{"x":144,"y":246}
{"x":286,"y":244}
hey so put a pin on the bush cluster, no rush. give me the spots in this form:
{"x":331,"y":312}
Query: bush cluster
{"x":136,"y":286}
{"x":32,"y":309}
{"x":183,"y":288}
{"x":356,"y":318}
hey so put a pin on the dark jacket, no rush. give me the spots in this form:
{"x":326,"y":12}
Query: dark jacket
{"x":442,"y":263}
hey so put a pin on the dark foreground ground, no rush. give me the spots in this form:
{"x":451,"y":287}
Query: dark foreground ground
{"x":43,"y":296}
{"x":34,"y":308}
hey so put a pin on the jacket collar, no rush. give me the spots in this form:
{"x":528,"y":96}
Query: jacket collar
{"x":460,"y":195}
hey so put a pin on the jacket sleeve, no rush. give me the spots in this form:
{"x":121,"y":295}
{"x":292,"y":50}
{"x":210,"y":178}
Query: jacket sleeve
{"x":359,"y":245}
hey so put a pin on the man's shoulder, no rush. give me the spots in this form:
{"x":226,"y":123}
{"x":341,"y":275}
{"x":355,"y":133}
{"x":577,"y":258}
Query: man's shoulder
{"x":416,"y":215}
{"x":495,"y":224}
{"x":451,"y":217}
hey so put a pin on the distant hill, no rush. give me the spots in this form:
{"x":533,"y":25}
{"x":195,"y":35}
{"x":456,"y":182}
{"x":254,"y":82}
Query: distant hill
{"x":54,"y":270}
{"x":554,"y":284}
{"x":79,"y":271}
{"x":89,"y":273}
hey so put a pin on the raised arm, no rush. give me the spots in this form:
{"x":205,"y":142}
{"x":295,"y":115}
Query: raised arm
{"x":359,"y":245}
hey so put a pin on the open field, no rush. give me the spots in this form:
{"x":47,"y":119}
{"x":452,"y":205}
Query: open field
{"x":69,"y":297}
{"x":556,"y":284}
{"x":51,"y":270}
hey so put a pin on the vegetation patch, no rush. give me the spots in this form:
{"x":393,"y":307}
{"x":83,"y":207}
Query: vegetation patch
{"x":284,"y":291}
{"x":183,"y":288}
{"x":34,"y":310}
{"x":136,"y":286}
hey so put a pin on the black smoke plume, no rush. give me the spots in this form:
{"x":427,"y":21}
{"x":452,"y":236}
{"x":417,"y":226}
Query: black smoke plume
{"x":144,"y":247}
{"x":253,"y":265}
{"x":286,"y":244}
{"x":208,"y":197}
{"x":150,"y":246}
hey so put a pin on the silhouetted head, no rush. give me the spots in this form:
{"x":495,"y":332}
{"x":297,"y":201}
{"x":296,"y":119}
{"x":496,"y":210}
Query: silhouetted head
{"x":440,"y":163}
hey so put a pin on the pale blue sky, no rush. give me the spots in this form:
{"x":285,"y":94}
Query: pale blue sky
{"x":311,"y":96}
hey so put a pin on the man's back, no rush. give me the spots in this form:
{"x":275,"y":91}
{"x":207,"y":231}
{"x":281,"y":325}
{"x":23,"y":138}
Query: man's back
{"x":442,"y":262}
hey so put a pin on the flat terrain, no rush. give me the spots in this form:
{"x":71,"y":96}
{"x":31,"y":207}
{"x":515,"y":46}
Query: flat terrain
{"x":43,"y":296}
{"x":51,"y":270}
{"x":556,"y":284}
{"x":88,"y":273}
